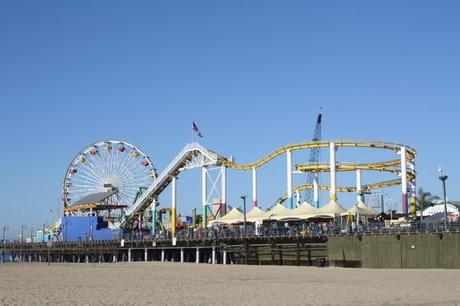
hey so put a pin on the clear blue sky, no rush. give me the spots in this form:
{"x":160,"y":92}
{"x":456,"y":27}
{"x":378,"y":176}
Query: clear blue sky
{"x":252,"y":74}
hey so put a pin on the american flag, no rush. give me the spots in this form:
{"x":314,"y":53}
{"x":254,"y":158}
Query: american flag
{"x":196,"y":129}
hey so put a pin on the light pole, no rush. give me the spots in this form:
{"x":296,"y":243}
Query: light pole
{"x":243,"y":197}
{"x":443,"y":179}
{"x":43,"y":236}
{"x":5,"y":228}
{"x":23,"y":226}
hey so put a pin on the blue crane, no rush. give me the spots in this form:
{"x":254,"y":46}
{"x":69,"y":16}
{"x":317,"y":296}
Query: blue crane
{"x":314,"y":159}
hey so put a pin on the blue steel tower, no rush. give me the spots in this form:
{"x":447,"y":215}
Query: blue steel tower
{"x":314,"y":159}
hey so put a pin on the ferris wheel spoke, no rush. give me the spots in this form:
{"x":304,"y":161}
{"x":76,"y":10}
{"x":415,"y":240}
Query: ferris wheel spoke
{"x":122,"y":161}
{"x":138,"y":169}
{"x":110,"y":161}
{"x":89,"y":174}
{"x":90,"y":165}
{"x":91,"y":169}
{"x":126,"y":176}
{"x":83,"y":186}
{"x":103,"y":160}
{"x":85,"y":189}
{"x":83,"y":178}
{"x":143,"y":176}
{"x":97,"y":166}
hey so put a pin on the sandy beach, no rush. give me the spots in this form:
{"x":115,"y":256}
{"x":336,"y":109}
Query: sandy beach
{"x":155,"y":283}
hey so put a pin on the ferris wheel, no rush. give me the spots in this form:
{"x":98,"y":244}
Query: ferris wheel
{"x":113,"y":167}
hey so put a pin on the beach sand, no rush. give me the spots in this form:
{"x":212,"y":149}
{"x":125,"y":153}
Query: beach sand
{"x":155,"y":283}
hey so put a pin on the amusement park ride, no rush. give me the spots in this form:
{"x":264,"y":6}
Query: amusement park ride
{"x":117,"y":180}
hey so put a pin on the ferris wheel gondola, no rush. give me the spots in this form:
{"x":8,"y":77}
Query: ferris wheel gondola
{"x":113,"y":167}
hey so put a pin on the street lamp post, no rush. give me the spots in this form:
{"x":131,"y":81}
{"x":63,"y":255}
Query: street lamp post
{"x":43,"y":236}
{"x":23,"y":226}
{"x":243,"y":197}
{"x":443,"y":179}
{"x":5,"y":228}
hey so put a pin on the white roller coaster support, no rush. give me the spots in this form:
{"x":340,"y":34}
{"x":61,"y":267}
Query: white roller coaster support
{"x":154,"y":217}
{"x":332,"y":164}
{"x":173,"y":205}
{"x":404,"y":179}
{"x":289,"y":177}
{"x":359,"y":189}
{"x":315,"y":190}
{"x":297,"y":197}
{"x":204,"y":192}
{"x":413,"y":199}
{"x":223,"y":181}
{"x":254,"y":186}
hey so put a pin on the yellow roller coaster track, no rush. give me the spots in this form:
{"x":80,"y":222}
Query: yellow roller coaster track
{"x":392,"y":166}
{"x":322,"y":144}
{"x":367,"y":187}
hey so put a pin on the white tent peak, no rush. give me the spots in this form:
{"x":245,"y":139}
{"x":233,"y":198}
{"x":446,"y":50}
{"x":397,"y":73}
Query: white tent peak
{"x":255,"y":214}
{"x":233,"y":216}
{"x":371,"y":211}
{"x":278,"y":209}
{"x":332,"y":208}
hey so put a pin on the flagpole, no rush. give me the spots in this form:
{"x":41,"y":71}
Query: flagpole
{"x":193,"y":133}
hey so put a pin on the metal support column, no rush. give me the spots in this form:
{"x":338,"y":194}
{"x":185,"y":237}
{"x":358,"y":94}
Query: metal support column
{"x":404,"y":180}
{"x":173,"y":206}
{"x":254,"y":186}
{"x":154,"y":218}
{"x":289,"y":178}
{"x":332,"y":164}
{"x":204,"y":200}
{"x":359,"y":188}
{"x":315,"y":191}
{"x":223,"y":182}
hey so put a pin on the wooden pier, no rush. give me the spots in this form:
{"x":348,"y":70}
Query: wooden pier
{"x":274,"y":250}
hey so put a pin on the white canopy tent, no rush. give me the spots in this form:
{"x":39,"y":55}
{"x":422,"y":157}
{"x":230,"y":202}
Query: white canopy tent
{"x":277,"y":210}
{"x":232,"y":217}
{"x":370,"y":211}
{"x":332,"y":209}
{"x":303,"y":212}
{"x":255,"y":214}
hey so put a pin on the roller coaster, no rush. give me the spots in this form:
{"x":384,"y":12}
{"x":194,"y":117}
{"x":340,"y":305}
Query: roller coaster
{"x":195,"y":155}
